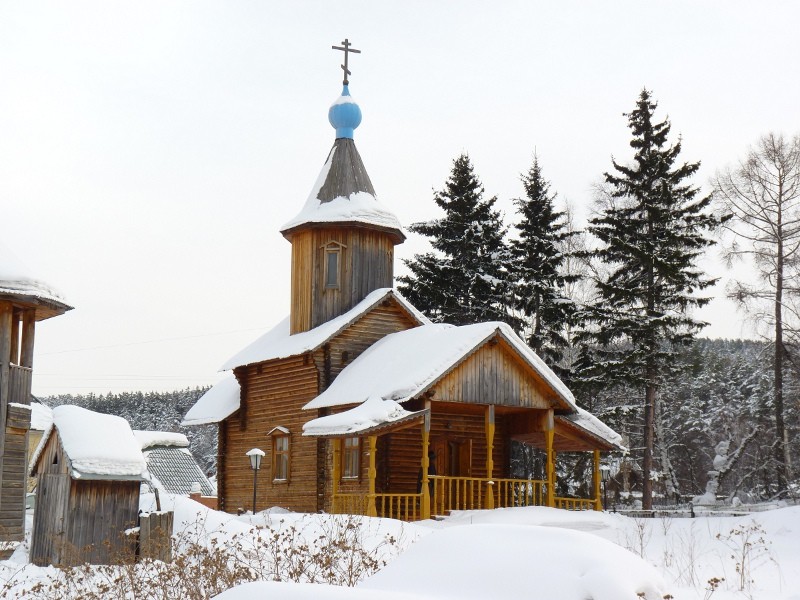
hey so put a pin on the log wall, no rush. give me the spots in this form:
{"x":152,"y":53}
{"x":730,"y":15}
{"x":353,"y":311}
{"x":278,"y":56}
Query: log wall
{"x":345,"y":347}
{"x":275,"y":393}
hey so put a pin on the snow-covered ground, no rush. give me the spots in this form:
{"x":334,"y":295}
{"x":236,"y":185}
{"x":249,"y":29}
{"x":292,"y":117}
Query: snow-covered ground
{"x":525,"y":552}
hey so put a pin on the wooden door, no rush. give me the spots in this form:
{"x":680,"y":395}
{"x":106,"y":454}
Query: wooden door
{"x":48,"y":542}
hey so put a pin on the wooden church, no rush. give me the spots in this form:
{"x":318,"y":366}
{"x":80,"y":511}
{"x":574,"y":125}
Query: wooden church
{"x":364,"y":406}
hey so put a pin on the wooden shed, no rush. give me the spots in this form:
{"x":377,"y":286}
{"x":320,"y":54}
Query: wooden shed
{"x":89,"y":469}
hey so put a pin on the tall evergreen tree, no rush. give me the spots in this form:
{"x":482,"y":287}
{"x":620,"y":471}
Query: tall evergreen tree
{"x":538,"y":268}
{"x":464,"y":279}
{"x":652,"y":233}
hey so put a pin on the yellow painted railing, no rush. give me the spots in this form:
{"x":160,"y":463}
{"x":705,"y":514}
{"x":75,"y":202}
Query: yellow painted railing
{"x":575,"y":503}
{"x":350,"y":504}
{"x":405,"y":507}
{"x":519,"y":492}
{"x":456,"y":493}
{"x":468,"y":493}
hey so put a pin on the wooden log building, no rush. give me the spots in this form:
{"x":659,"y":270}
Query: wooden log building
{"x":24,"y":301}
{"x":361,"y":404}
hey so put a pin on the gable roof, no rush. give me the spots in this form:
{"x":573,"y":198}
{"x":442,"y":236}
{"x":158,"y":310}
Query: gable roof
{"x":405,"y":364}
{"x":97,"y":446}
{"x":277,"y":343}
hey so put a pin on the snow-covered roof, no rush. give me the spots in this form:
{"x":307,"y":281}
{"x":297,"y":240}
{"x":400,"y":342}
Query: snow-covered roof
{"x":148,"y":439}
{"x":277,"y":343}
{"x":16,"y":280}
{"x":221,"y":401}
{"x":98,"y":446}
{"x":173,"y":469}
{"x":41,"y":416}
{"x":374,"y":413}
{"x":402,"y":365}
{"x":594,"y":426}
{"x":343,"y":193}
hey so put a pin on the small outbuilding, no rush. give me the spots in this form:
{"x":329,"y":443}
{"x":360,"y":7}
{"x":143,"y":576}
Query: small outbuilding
{"x":89,"y":468}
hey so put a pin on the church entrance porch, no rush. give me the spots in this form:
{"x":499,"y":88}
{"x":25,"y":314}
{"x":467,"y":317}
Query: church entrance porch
{"x":457,"y":457}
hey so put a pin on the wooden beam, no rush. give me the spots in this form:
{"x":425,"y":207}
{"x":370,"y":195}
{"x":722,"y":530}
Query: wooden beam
{"x":28,"y":335}
{"x":337,"y":466}
{"x":551,"y":459}
{"x":598,"y":504}
{"x":373,"y":473}
{"x":426,"y":462}
{"x":14,"y":354}
{"x":489,"y":428}
{"x":6,"y":313}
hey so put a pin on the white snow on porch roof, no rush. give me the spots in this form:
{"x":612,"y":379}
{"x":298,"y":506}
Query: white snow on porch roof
{"x":98,"y":444}
{"x":218,"y":403}
{"x":588,"y":422}
{"x":16,"y":278}
{"x":277,"y":343}
{"x":373,"y":412}
{"x":403,"y":364}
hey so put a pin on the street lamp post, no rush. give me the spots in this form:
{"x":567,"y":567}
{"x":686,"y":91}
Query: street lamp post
{"x":256,"y":454}
{"x":605,"y":475}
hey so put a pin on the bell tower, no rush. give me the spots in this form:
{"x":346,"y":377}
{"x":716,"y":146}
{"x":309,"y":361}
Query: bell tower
{"x":343,"y":239}
{"x":23,"y":302}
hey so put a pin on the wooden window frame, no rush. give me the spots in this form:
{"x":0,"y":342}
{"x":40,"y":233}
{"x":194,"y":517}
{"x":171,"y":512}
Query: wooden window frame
{"x":335,"y":248}
{"x":277,"y":454}
{"x":354,"y":451}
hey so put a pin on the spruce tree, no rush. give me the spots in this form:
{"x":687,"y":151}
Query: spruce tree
{"x":652,"y":233}
{"x":464,"y":279}
{"x":538,"y":256}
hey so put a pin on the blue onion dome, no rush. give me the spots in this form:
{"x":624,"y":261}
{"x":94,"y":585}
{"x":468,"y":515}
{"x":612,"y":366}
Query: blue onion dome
{"x":344,"y":115}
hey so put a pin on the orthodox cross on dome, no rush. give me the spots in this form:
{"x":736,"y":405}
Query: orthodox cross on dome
{"x":345,"y":47}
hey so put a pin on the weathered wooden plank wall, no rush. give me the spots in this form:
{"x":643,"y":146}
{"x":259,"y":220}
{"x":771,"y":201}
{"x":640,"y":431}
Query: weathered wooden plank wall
{"x":366,"y":263}
{"x":99,"y":512}
{"x":493,"y":374}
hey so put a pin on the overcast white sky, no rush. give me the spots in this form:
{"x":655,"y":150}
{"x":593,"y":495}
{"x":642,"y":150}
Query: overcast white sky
{"x":149,"y":151}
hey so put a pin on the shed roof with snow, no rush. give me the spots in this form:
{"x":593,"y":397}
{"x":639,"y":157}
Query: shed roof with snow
{"x":170,"y":464}
{"x":96,"y":446}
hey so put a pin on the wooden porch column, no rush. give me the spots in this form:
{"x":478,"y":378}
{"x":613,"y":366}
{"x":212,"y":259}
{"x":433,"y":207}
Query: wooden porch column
{"x":6,"y":312}
{"x":337,"y":474}
{"x":373,"y":473}
{"x":489,"y":426}
{"x":15,"y":316}
{"x":28,"y":331}
{"x":598,"y":504}
{"x":426,"y":491}
{"x":549,"y":434}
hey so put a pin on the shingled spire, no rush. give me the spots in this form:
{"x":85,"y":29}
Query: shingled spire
{"x":343,"y":239}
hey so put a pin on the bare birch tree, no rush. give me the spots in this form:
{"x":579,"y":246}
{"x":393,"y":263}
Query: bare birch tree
{"x":762,"y":193}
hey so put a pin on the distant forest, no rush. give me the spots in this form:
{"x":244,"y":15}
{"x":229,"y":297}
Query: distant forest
{"x":153,"y":411}
{"x":716,"y":418}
